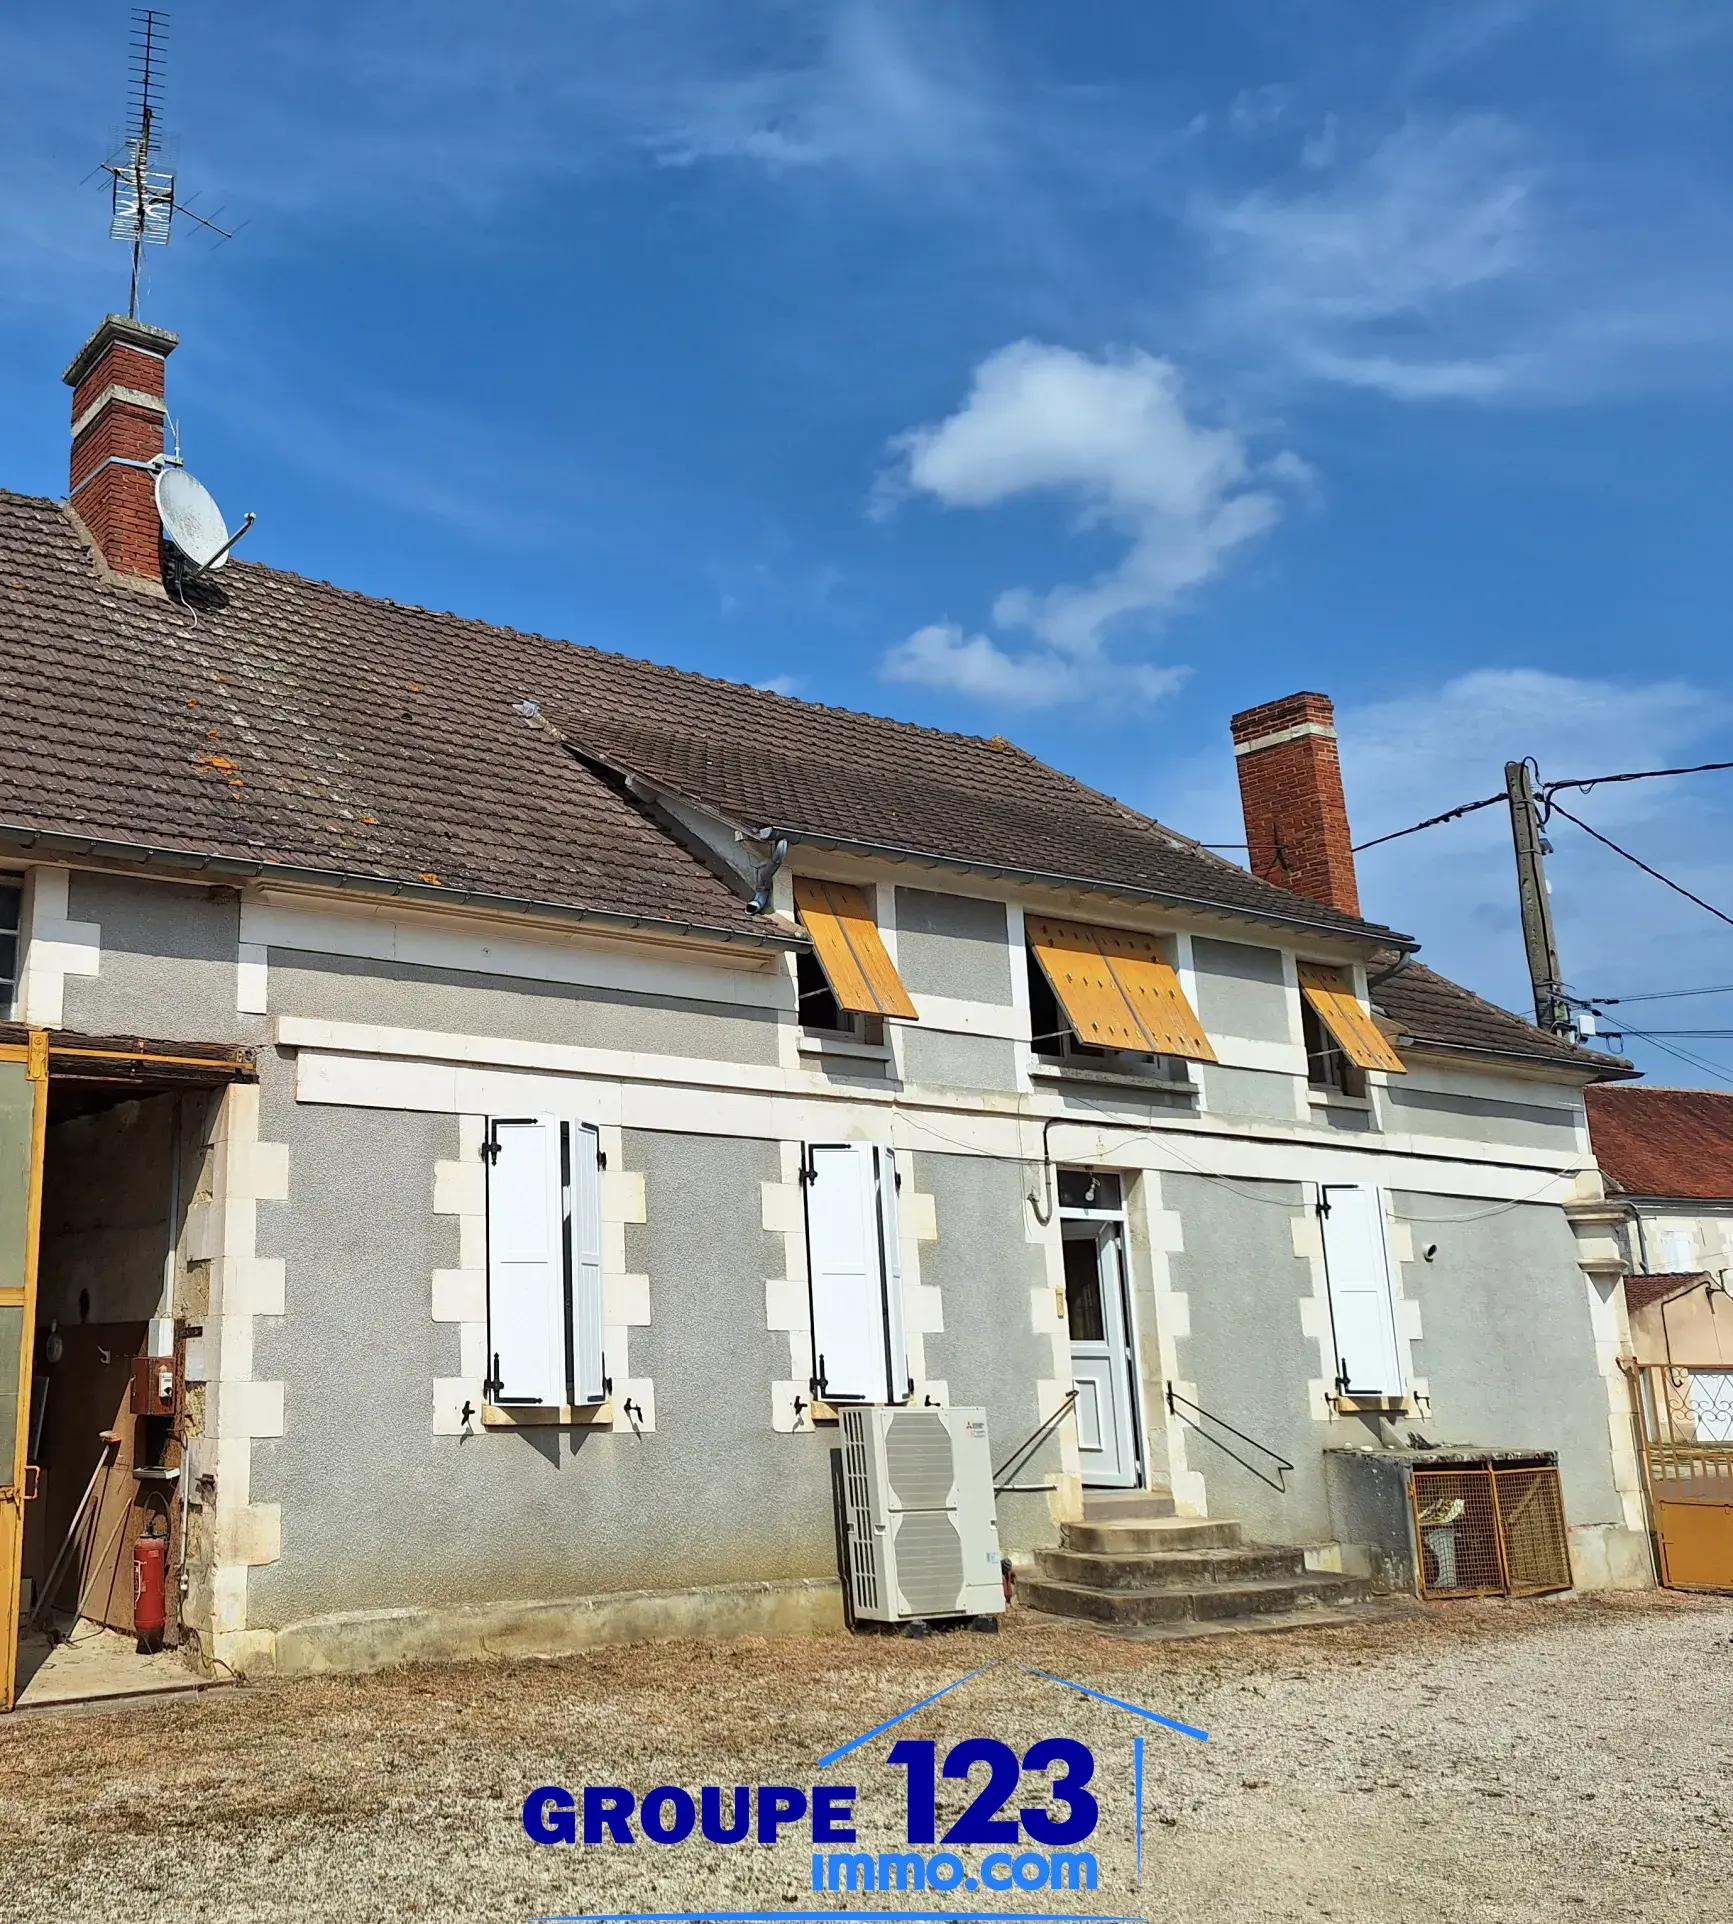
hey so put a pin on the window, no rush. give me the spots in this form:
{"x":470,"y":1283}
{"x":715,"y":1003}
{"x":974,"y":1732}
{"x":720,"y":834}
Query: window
{"x":1109,"y":998}
{"x":544,"y":1262}
{"x":847,"y":982}
{"x":1327,"y":1067}
{"x":1342,"y":1027}
{"x":854,"y":1270}
{"x":11,"y":922}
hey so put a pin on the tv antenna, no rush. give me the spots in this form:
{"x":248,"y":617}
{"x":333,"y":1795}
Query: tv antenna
{"x":145,"y":199}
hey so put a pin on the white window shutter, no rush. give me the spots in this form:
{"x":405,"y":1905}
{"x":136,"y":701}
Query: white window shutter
{"x":890,"y":1221}
{"x":526,"y":1261}
{"x":1362,"y":1301}
{"x":588,"y":1363}
{"x":845,"y":1264}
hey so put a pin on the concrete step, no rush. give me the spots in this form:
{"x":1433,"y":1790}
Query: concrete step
{"x":1124,"y":1506}
{"x":1206,"y":1603}
{"x":1172,"y":1569}
{"x":1153,"y":1535}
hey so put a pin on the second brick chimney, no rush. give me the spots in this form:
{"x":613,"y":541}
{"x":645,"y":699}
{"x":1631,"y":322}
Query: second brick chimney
{"x":118,"y":410}
{"x":1291,"y":795}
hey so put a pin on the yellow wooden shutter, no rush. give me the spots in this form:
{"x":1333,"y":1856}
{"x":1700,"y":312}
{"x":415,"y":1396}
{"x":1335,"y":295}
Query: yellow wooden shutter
{"x":850,"y":949}
{"x":1117,"y":989}
{"x":1152,"y":988}
{"x":1332,"y":998}
{"x":1094,"y":1003}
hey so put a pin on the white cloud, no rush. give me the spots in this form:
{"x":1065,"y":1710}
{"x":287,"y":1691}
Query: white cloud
{"x":941,"y":655}
{"x":1114,"y":436}
{"x":1366,"y":273}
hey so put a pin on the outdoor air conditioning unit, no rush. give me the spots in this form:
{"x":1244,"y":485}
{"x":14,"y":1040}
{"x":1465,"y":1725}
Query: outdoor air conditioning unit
{"x":923,"y":1540}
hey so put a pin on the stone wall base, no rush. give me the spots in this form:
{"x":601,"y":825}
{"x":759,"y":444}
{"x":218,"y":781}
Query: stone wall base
{"x":1608,"y":1556}
{"x":360,"y":1640}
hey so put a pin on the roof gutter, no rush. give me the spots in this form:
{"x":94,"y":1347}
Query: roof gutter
{"x":431,"y":895}
{"x":1383,"y":938}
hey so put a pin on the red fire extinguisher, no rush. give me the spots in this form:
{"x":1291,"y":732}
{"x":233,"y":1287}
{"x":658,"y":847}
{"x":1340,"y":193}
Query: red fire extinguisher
{"x":150,"y":1590}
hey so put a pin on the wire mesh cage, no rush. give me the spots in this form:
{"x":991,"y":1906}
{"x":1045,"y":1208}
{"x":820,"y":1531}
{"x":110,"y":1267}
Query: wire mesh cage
{"x":1487,"y":1532}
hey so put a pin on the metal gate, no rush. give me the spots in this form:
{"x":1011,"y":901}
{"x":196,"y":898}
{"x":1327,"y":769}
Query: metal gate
{"x":1490,"y":1532}
{"x":1685,"y":1423}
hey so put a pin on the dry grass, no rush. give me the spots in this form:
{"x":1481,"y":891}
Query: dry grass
{"x":1433,"y":1767}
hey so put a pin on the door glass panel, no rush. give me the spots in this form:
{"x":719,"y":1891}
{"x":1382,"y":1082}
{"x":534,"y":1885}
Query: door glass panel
{"x":1088,"y":1189}
{"x":1084,"y":1309}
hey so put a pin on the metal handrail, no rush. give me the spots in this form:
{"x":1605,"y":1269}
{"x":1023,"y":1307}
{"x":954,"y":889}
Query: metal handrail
{"x":1024,"y":1450}
{"x":1174,"y":1399}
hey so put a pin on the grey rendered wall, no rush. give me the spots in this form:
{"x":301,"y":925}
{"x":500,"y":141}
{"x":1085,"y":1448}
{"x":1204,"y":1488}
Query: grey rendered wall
{"x":1247,"y":1353}
{"x":1240,"y":990}
{"x":953,"y":945}
{"x":404,"y":995}
{"x":987,"y":1352}
{"x":1439,"y":1112}
{"x":168,"y":961}
{"x":377,"y":1511}
{"x":1507,"y":1348}
{"x":950,"y":1061}
{"x":1257,"y":1094}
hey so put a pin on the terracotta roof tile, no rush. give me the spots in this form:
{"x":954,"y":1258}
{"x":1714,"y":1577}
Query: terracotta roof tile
{"x":295,"y":722}
{"x":1664,"y":1142}
{"x":1431,"y":1008}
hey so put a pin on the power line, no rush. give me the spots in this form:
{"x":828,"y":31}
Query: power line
{"x":1639,"y":775}
{"x":1677,"y":887}
{"x":1659,"y":995}
{"x":1432,"y":821}
{"x":1545,"y":793}
{"x":1694,"y":1062}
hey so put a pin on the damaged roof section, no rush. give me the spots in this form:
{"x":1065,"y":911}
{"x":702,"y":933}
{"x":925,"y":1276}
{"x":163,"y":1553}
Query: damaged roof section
{"x":287,"y":723}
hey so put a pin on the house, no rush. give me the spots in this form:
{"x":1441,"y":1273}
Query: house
{"x":474,"y":1107}
{"x":1666,"y":1157}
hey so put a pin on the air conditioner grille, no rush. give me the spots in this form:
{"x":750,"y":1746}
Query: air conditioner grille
{"x":918,"y":1459}
{"x":929,"y":1562}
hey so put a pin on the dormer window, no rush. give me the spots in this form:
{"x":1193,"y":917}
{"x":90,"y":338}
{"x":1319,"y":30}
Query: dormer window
{"x":1342,"y":1040}
{"x":847,"y":982}
{"x":1109,"y":999}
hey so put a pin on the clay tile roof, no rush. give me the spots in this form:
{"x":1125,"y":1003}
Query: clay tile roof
{"x":1430,"y":1008}
{"x":1664,"y":1142}
{"x":299,"y":724}
{"x":1641,"y":1291}
{"x":832,"y":775}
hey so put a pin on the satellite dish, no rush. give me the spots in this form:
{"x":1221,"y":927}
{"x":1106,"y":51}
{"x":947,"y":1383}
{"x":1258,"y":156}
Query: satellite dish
{"x":191,"y":519}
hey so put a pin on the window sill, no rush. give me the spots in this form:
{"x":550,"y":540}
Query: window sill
{"x":1334,"y":1099}
{"x":533,"y":1416}
{"x":1043,"y":1071}
{"x":1368,"y":1405}
{"x":842,"y":1045}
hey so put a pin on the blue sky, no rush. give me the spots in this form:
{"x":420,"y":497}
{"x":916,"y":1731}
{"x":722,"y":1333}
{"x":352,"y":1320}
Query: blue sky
{"x":1081,"y":374}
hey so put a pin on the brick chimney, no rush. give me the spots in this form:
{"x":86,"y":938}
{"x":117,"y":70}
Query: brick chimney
{"x":118,"y":410}
{"x":1291,"y":796}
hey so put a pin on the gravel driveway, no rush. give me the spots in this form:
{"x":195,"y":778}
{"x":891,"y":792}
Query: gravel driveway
{"x":1512,"y":1761}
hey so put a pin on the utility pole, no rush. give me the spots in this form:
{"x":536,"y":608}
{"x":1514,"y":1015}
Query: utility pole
{"x":1551,"y":1010}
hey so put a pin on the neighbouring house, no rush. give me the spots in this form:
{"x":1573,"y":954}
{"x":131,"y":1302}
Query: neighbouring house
{"x":474,"y":1106}
{"x":1666,"y":1157}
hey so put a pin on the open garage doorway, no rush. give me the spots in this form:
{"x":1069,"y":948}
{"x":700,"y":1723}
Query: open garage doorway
{"x":110,"y":1344}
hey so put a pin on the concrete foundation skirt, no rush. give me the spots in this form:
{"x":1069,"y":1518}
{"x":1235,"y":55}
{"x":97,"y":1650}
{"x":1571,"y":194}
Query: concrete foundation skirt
{"x":362,"y":1640}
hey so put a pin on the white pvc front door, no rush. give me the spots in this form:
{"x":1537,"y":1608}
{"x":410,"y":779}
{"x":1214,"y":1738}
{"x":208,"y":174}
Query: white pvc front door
{"x":1095,"y":1308}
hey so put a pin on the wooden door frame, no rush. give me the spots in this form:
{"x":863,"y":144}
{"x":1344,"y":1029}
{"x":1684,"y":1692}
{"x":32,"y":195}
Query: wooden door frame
{"x":33,"y":1053}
